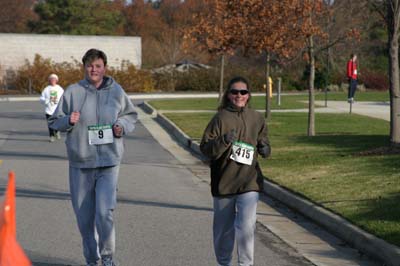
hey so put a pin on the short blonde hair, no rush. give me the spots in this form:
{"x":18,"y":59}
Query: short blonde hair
{"x":53,"y":76}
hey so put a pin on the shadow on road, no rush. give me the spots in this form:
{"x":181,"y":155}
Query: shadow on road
{"x":37,"y":156}
{"x":24,"y":116}
{"x":162,"y":204}
{"x":40,"y":194}
{"x":39,"y":259}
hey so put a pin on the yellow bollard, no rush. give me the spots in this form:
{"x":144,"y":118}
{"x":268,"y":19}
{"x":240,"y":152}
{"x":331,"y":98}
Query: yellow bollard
{"x":270,"y":87}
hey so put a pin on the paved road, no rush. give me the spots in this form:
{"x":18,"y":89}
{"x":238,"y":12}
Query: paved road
{"x":164,"y":211}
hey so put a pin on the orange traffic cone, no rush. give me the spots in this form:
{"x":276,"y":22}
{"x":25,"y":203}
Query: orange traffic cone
{"x":11,"y":254}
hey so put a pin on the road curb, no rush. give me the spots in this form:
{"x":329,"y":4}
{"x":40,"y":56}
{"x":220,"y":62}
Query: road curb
{"x":147,"y":108}
{"x":337,"y":225}
{"x":179,"y":135}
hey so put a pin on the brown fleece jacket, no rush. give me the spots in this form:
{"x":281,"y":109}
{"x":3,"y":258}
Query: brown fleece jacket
{"x":229,"y":177}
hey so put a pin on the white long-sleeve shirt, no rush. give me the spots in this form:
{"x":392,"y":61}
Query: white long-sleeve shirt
{"x":50,"y":97}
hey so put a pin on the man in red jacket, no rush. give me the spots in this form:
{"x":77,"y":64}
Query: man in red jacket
{"x":352,"y":77}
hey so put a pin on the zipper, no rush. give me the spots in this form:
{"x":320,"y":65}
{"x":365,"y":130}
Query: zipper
{"x":244,"y":122}
{"x":97,"y":119}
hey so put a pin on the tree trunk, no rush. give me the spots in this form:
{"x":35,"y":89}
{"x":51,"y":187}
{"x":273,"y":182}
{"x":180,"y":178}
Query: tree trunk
{"x":311,"y":113}
{"x":267,"y":94}
{"x":393,"y":21}
{"x":221,"y":80}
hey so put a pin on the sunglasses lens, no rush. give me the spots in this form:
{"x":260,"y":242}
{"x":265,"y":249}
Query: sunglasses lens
{"x":236,"y":92}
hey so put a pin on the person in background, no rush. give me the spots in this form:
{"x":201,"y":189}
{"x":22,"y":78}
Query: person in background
{"x":352,"y":77}
{"x":50,"y":97}
{"x":96,"y":113}
{"x":233,"y":140}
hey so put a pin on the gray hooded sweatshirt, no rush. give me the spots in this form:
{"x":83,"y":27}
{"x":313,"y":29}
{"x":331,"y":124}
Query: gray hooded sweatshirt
{"x":108,"y":105}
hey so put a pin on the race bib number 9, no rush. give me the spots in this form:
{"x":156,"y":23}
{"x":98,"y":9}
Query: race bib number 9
{"x":242,"y":152}
{"x":100,"y":134}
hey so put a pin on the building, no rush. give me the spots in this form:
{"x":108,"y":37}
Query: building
{"x":15,"y":49}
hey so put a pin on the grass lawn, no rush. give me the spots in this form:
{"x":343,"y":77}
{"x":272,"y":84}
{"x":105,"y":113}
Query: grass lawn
{"x":328,"y":168}
{"x":258,"y":102}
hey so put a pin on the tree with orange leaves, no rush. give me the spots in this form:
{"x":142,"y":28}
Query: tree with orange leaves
{"x":280,"y":27}
{"x":14,"y":15}
{"x":287,"y":27}
{"x":214,"y":31}
{"x":312,"y":15}
{"x":161,"y":26}
{"x":231,"y":26}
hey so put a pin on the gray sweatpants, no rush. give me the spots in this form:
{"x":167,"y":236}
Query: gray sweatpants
{"x":235,"y":217}
{"x":94,"y":198}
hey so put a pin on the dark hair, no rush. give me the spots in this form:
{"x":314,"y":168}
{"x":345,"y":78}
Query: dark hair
{"x":93,"y":54}
{"x":225,"y":100}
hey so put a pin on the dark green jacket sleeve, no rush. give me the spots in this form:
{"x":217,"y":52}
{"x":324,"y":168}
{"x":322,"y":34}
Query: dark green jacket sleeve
{"x":263,"y":144}
{"x":212,"y":144}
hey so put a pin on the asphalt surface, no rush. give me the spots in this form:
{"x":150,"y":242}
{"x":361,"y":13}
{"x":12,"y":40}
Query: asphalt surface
{"x":164,"y":213}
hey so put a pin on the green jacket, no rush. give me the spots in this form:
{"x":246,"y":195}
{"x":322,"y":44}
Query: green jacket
{"x":229,"y":177}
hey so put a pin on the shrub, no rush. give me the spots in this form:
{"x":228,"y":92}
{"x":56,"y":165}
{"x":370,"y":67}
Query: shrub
{"x":289,"y":83}
{"x":132,"y":79}
{"x":374,"y":80}
{"x":197,"y":80}
{"x":207,"y":79}
{"x":33,"y":77}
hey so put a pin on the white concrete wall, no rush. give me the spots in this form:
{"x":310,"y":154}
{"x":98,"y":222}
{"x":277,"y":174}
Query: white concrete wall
{"x":15,"y":48}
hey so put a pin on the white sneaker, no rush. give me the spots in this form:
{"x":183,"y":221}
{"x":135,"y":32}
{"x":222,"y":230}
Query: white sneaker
{"x":58,"y":135}
{"x":52,"y":139}
{"x":107,"y":261}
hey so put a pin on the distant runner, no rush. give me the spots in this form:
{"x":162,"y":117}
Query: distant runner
{"x":50,"y":97}
{"x":352,"y":77}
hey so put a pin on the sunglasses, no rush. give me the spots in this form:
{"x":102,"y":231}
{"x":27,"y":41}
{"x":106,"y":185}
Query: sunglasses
{"x":236,"y":92}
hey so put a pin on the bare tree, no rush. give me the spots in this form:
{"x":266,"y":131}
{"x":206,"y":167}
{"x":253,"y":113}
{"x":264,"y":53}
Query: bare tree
{"x":393,"y":27}
{"x":390,"y":13}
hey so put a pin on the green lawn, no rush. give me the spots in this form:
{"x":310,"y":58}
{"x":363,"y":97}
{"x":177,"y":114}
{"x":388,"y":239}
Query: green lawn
{"x":328,"y":168}
{"x":258,"y":102}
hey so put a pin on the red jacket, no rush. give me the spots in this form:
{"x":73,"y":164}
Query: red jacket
{"x":351,"y":69}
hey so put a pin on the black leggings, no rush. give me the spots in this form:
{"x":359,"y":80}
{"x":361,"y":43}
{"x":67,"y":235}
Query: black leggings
{"x":52,"y":132}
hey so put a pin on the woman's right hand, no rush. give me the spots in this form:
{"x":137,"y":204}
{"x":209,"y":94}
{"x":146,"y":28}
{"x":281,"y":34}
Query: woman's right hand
{"x":230,"y":137}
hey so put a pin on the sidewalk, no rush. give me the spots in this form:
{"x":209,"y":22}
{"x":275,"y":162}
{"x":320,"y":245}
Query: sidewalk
{"x":379,"y":110}
{"x":373,"y":109}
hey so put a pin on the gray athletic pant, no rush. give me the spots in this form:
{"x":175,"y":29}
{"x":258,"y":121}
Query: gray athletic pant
{"x":235,"y":216}
{"x":94,"y":198}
